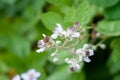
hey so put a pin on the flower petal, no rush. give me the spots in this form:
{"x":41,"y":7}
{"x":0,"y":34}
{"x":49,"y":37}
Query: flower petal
{"x":80,"y":58}
{"x":17,"y":77}
{"x":40,"y":50}
{"x":86,"y":59}
{"x":54,"y":36}
{"x":76,"y":34}
{"x":91,"y":52}
{"x":78,"y":51}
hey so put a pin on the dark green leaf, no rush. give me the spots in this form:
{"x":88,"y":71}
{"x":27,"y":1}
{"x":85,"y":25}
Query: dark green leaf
{"x":115,"y":56}
{"x":117,"y":77}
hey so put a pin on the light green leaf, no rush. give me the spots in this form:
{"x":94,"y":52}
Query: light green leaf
{"x":77,"y":76}
{"x":103,"y":3}
{"x":70,"y":16}
{"x":14,"y":61}
{"x":84,"y":13}
{"x":60,"y":3}
{"x":19,"y":46}
{"x":109,"y":28}
{"x":62,"y":73}
{"x":76,"y":2}
{"x":36,"y":59}
{"x":50,"y":19}
{"x":3,"y":77}
{"x":63,"y":5}
{"x":113,"y":12}
{"x":3,"y":67}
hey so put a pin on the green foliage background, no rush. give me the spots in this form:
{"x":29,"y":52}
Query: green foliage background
{"x":22,"y":23}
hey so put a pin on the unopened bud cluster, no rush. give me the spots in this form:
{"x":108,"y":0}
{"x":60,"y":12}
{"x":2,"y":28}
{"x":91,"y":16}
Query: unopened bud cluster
{"x":67,"y":40}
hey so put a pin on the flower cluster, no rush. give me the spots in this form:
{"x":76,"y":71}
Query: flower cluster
{"x":67,"y":40}
{"x":29,"y":75}
{"x":80,"y":55}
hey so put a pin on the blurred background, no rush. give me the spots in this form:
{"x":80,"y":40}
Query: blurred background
{"x":22,"y":23}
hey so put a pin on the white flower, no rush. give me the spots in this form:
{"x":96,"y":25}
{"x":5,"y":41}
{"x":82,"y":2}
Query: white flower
{"x":40,"y":43}
{"x":41,"y":46}
{"x":73,"y":64}
{"x":76,"y":34}
{"x":54,"y":36}
{"x":44,"y":43}
{"x":57,"y":31}
{"x":80,"y":57}
{"x":71,"y":33}
{"x":40,"y":50}
{"x":30,"y":75}
{"x":84,"y":53}
{"x":17,"y":77}
{"x":86,"y":59}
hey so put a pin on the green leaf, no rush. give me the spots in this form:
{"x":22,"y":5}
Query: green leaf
{"x":63,"y":5}
{"x":60,"y":3}
{"x":70,"y":16}
{"x":115,"y":56}
{"x":76,"y":2}
{"x":62,"y":73}
{"x":84,"y":13}
{"x":115,"y":45}
{"x":109,"y":28}
{"x":77,"y":76}
{"x":3,"y":40}
{"x":19,"y":46}
{"x":103,"y":3}
{"x":9,"y":1}
{"x":3,"y":77}
{"x":14,"y":61}
{"x":112,"y":12}
{"x":36,"y":60}
{"x":117,"y":77}
{"x":50,"y":19}
{"x":115,"y":67}
{"x":3,"y":67}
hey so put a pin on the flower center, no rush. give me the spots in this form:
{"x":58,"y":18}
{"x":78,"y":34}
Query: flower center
{"x":72,"y":69}
{"x":46,"y":39}
{"x":87,"y":53}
